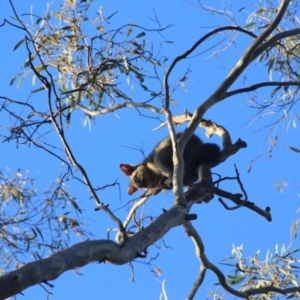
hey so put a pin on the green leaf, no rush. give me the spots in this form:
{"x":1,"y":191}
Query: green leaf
{"x":72,"y":91}
{"x":117,"y":92}
{"x":174,"y":102}
{"x":18,"y":174}
{"x":75,"y":205}
{"x":42,"y":88}
{"x":152,"y":61}
{"x":125,"y":62}
{"x":34,"y":234}
{"x":234,"y":279}
{"x":110,"y":16}
{"x":14,"y":78}
{"x":261,"y":10}
{"x":285,"y":272}
{"x":275,"y":90}
{"x":225,"y":264}
{"x":140,"y":35}
{"x":270,"y":67}
{"x":33,"y":80}
{"x":21,"y":79}
{"x":27,"y":63}
{"x":19,"y":44}
{"x":66,"y":28}
{"x":294,"y":251}
{"x":250,"y":25}
{"x":140,"y":78}
{"x":129,"y":30}
{"x":295,"y":267}
{"x":294,"y":149}
{"x":144,"y":87}
{"x":39,"y":232}
{"x":39,"y":20}
{"x":183,"y":86}
{"x":291,"y":296}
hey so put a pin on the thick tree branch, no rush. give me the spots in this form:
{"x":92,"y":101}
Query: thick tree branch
{"x":90,"y":251}
{"x":178,"y":149}
{"x":240,"y":66}
{"x":53,"y":266}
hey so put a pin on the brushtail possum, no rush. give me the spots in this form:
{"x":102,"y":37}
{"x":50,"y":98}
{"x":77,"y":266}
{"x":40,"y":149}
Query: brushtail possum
{"x":156,"y":170}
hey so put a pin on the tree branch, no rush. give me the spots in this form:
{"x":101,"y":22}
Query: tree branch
{"x":273,"y":40}
{"x":81,"y":254}
{"x":259,"y":85}
{"x":178,"y":149}
{"x":240,"y":66}
{"x":236,"y":198}
{"x":192,"y":232}
{"x":118,"y":106}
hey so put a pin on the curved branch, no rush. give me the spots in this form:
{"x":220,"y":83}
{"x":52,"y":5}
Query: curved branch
{"x":118,"y":106}
{"x":197,"y":283}
{"x":259,"y":85}
{"x":178,"y":149}
{"x":135,"y":206}
{"x":192,"y":232}
{"x":50,"y":86}
{"x":81,"y":254}
{"x":10,"y":23}
{"x":59,"y":129}
{"x":195,"y":46}
{"x":236,"y":198}
{"x":272,"y":41}
{"x":268,"y":289}
{"x":240,"y":66}
{"x":140,"y":27}
{"x":53,"y":266}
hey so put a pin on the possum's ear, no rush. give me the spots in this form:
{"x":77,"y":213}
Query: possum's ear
{"x":131,"y":189}
{"x":127,"y":169}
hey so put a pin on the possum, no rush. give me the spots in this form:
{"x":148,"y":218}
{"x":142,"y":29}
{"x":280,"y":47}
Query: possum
{"x":156,"y":170}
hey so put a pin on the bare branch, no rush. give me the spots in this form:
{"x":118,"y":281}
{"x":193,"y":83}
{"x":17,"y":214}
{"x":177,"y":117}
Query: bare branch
{"x":50,"y":86}
{"x":53,"y":266}
{"x":240,"y":66}
{"x":90,"y":251}
{"x":273,"y":40}
{"x":118,"y":106}
{"x":236,"y":198}
{"x":195,"y":46}
{"x":192,"y":232}
{"x":135,"y":206}
{"x":178,"y":149}
{"x":260,"y":85}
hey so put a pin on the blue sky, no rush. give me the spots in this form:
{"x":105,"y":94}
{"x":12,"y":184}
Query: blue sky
{"x":100,"y":149}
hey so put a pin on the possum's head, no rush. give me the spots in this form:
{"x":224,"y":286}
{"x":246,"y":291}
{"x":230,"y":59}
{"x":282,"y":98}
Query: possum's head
{"x":140,"y":177}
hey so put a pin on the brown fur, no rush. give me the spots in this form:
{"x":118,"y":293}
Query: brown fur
{"x":156,"y":171}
